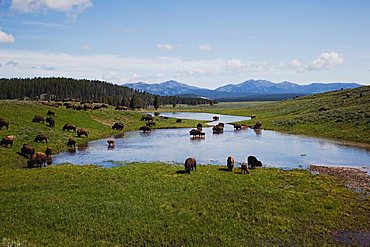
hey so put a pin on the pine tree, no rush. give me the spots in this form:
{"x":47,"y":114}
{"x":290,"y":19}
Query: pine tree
{"x":156,"y":102}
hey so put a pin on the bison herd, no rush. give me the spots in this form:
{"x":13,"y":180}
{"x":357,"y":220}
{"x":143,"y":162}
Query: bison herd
{"x":252,"y":162}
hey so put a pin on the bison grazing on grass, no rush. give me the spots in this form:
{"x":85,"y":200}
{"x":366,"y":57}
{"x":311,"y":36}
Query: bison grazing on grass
{"x":150,"y":123}
{"x":118,"y":126}
{"x":38,"y":119}
{"x":244,"y":168}
{"x":4,"y":123}
{"x":145,"y":129}
{"x":82,"y":132}
{"x":51,"y":122}
{"x":190,"y":164}
{"x":253,"y":162}
{"x":41,"y":137}
{"x":27,"y":150}
{"x":71,"y":142}
{"x":69,"y":127}
{"x":178,"y":121}
{"x":50,"y":113}
{"x":39,"y":159}
{"x":230,"y":163}
{"x":7,"y":141}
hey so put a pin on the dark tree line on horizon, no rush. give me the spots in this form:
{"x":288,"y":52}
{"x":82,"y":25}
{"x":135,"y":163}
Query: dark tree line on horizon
{"x":60,"y":88}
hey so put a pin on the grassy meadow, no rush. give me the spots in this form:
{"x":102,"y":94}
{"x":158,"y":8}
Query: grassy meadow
{"x":156,"y":204}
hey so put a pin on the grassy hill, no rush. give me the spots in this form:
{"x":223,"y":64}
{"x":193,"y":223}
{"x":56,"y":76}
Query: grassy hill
{"x":97,"y":122}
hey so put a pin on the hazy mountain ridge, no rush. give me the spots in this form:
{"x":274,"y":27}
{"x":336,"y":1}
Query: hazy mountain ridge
{"x":247,"y":88}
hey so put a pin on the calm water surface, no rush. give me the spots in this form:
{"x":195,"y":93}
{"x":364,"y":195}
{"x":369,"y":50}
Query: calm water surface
{"x":175,"y":145}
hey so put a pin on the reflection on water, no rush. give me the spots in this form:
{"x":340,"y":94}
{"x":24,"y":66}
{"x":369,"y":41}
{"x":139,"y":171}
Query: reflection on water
{"x":175,"y":145}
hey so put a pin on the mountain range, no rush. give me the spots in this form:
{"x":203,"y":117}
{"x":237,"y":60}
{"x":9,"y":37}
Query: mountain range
{"x":249,"y":88}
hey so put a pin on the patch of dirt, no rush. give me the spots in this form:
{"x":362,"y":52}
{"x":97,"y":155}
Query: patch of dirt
{"x":352,"y":238}
{"x":353,"y":177}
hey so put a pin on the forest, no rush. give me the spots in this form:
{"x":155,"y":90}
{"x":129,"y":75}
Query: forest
{"x":60,"y":88}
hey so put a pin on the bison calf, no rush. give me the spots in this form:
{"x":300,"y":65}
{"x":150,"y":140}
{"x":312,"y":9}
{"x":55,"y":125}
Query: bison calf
{"x":190,"y":164}
{"x":230,"y":163}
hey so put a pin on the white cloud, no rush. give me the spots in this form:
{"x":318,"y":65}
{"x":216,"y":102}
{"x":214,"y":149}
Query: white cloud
{"x":43,"y":24}
{"x":6,"y":38}
{"x":325,"y":61}
{"x":205,"y":47}
{"x":71,"y":7}
{"x":167,"y":47}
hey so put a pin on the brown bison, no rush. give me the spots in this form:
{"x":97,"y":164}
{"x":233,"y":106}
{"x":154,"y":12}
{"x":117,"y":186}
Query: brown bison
{"x":257,"y":125}
{"x":145,"y":128}
{"x":71,"y":142}
{"x":111,"y":143}
{"x":41,"y":137}
{"x":216,"y":118}
{"x":48,"y":152}
{"x":217,"y":129}
{"x":82,"y":132}
{"x":50,"y":121}
{"x":121,"y":108}
{"x":38,"y":119}
{"x":4,"y":123}
{"x":230,"y":163}
{"x":147,"y":118}
{"x":50,"y":113}
{"x":39,"y":159}
{"x":118,"y":126}
{"x":199,"y":126}
{"x":27,"y":150}
{"x":221,"y":125}
{"x":150,"y":123}
{"x":253,"y":162}
{"x":237,"y":126}
{"x":104,"y":106}
{"x":178,"y":121}
{"x":69,"y":127}
{"x":190,"y":164}
{"x":253,"y":116}
{"x":7,"y":141}
{"x":244,"y":168}
{"x":196,"y":132}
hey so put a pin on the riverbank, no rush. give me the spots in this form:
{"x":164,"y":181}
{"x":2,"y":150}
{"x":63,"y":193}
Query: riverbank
{"x":157,"y":204}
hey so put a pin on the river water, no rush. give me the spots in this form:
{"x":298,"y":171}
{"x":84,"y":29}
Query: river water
{"x":273,"y":148}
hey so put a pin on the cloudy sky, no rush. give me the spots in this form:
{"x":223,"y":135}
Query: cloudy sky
{"x":202,"y":43}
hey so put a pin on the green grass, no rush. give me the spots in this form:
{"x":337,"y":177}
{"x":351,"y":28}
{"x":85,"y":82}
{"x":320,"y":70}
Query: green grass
{"x":152,"y":205}
{"x":97,"y":122}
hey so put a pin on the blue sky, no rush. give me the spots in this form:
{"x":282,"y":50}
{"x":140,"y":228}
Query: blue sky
{"x":202,"y":43}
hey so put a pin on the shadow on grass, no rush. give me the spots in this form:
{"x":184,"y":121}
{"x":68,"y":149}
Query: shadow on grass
{"x":181,"y":172}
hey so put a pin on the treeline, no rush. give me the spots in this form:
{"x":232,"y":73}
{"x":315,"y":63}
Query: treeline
{"x":61,"y":88}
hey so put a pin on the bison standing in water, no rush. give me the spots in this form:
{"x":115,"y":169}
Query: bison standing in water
{"x":51,"y":122}
{"x":190,"y":164}
{"x":39,"y":159}
{"x":71,"y":142}
{"x":145,"y":128}
{"x":111,"y":143}
{"x":38,"y":119}
{"x":4,"y":123}
{"x":118,"y":126}
{"x":237,"y":126}
{"x":41,"y":137}
{"x":196,"y":132}
{"x":230,"y":163}
{"x":7,"y":141}
{"x":82,"y":132}
{"x":217,"y":129}
{"x":199,"y":126}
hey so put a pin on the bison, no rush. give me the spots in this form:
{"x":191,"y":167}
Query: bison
{"x":27,"y":150}
{"x":199,"y":126}
{"x":221,"y":125}
{"x":50,"y":113}
{"x":7,"y":141}
{"x":48,"y":152}
{"x":230,"y":163}
{"x":69,"y":127}
{"x":38,"y":119}
{"x":121,"y":108}
{"x":81,"y":132}
{"x":217,"y":129}
{"x":253,"y":116}
{"x":216,"y":118}
{"x":111,"y":143}
{"x":253,"y":162}
{"x":118,"y":126}
{"x":237,"y":126}
{"x":244,"y":168}
{"x":41,"y":137}
{"x":50,"y":121}
{"x":4,"y":123}
{"x":178,"y":121}
{"x":196,"y":132}
{"x":157,"y":114}
{"x":145,"y":128}
{"x":71,"y":142}
{"x":257,"y":125}
{"x":190,"y":164}
{"x":39,"y":159}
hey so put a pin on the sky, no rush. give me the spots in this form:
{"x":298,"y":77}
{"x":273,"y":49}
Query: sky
{"x":206,"y":43}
